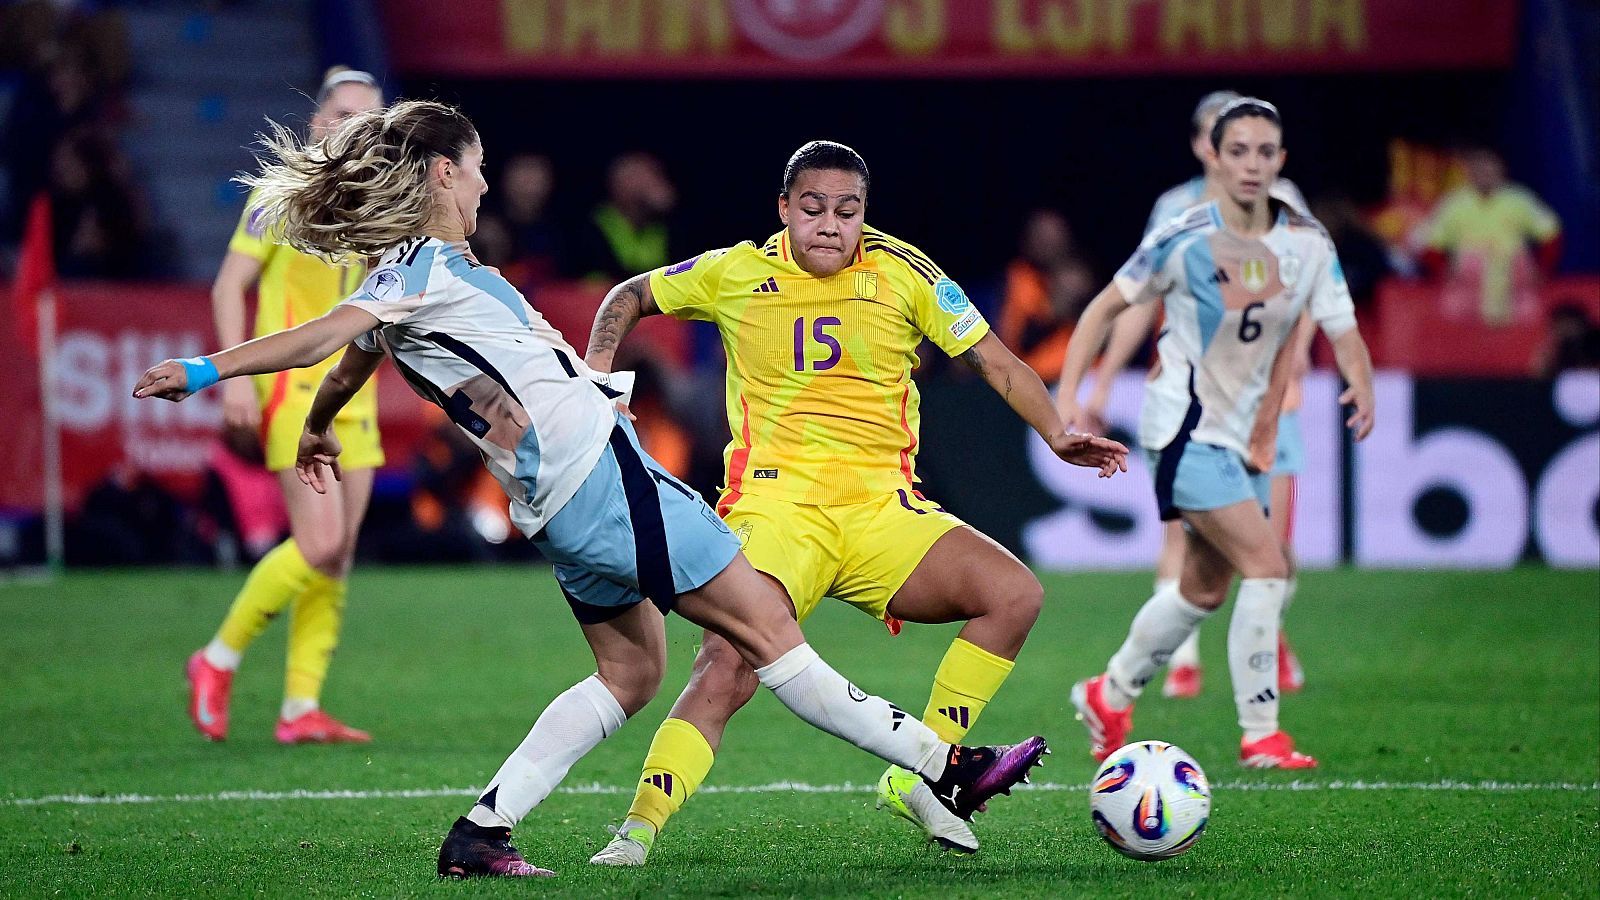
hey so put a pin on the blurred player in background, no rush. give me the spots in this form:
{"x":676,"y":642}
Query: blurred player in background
{"x":1236,"y":274}
{"x":402,"y":185}
{"x":821,"y":324}
{"x":1132,"y":330}
{"x":306,"y":573}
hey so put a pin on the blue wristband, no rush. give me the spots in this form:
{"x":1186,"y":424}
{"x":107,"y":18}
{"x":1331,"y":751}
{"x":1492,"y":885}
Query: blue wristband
{"x":201,"y":371}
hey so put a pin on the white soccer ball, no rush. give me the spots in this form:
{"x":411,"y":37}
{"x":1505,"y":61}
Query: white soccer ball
{"x":1150,"y":800}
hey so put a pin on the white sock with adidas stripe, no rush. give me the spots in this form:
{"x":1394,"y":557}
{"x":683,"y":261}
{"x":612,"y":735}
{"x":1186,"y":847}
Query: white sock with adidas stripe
{"x":1253,"y":654}
{"x":583,"y":716}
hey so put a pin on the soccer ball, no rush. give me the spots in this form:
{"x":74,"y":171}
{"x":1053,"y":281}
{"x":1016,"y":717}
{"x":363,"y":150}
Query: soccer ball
{"x":1150,"y":800}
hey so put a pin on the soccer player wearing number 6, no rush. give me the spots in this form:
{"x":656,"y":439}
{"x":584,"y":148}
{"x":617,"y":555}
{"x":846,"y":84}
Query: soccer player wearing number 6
{"x":1235,"y":273}
{"x":402,"y":186}
{"x":821,"y":325}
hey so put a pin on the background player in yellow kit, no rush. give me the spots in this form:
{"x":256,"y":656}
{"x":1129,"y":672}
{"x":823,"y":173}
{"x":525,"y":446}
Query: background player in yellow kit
{"x":821,"y":325}
{"x":306,"y":573}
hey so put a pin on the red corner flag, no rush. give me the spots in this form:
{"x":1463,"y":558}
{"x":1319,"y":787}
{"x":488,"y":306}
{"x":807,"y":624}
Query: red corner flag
{"x":36,"y":271}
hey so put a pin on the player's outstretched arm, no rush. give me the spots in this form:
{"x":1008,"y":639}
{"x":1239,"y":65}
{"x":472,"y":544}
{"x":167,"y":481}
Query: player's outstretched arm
{"x":622,"y":309}
{"x":301,"y":346}
{"x":1087,"y":339}
{"x":1015,"y":381}
{"x":1355,"y":364}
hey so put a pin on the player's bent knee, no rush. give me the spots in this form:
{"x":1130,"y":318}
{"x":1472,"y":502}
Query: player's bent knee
{"x":723,"y":677}
{"x":634,"y":684}
{"x":1016,"y":598}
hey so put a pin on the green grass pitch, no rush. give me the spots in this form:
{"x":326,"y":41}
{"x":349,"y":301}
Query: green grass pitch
{"x":1457,"y":717}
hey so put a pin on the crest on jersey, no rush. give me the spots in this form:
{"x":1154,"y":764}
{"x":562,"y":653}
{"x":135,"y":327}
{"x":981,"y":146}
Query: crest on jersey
{"x":385,"y":284}
{"x":867,"y":285}
{"x":1288,"y":269}
{"x":1253,"y":274}
{"x":950,"y":296}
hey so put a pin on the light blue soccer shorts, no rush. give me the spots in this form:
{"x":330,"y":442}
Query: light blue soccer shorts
{"x":1198,"y":477}
{"x":1290,"y":458}
{"x":632,"y":532}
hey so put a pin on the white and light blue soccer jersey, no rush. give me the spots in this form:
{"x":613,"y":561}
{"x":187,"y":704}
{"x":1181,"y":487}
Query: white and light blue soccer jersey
{"x":1231,"y":304}
{"x":1181,"y":197}
{"x":467,"y":341}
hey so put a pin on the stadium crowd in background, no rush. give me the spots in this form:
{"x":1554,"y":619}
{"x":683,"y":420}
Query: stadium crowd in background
{"x":68,"y":70}
{"x":1453,"y":220}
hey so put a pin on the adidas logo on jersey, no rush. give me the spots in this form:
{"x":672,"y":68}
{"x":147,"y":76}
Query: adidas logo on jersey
{"x":770,"y":286}
{"x":1220,"y":276}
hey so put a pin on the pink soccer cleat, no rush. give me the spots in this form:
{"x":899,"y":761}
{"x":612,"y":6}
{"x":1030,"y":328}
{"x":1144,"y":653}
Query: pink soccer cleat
{"x":1182,"y":683}
{"x":475,"y":851}
{"x":317,"y":727}
{"x":209,"y":688}
{"x":1275,"y":751}
{"x":1108,"y":728}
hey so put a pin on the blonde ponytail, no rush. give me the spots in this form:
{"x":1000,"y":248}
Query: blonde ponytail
{"x":364,"y":187}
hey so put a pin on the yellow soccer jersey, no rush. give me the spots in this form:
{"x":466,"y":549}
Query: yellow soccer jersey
{"x":294,"y":288}
{"x":820,"y":399}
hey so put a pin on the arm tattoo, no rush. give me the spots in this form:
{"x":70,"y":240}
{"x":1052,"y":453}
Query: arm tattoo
{"x":974,"y":360}
{"x":1000,"y":380}
{"x":617,"y":316}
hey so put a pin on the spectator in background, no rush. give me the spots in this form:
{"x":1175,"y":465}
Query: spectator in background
{"x":74,"y":64}
{"x":536,"y":245}
{"x":627,"y":234}
{"x":1362,"y":255}
{"x":100,"y":229}
{"x":1491,"y":240}
{"x":1573,"y":342}
{"x":1047,"y":287}
{"x":518,"y":236}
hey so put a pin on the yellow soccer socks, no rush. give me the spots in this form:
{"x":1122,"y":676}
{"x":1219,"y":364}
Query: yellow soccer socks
{"x":965,"y":682}
{"x":314,"y":621}
{"x":281,"y":576}
{"x":677,"y":764}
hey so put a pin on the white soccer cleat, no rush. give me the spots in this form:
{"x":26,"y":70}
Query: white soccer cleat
{"x":629,"y":847}
{"x":906,"y":795}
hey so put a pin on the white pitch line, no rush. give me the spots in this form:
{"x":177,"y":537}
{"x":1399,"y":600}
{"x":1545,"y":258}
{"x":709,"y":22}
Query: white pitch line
{"x":776,"y":787}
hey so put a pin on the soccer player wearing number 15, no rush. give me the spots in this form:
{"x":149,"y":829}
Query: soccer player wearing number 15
{"x":1235,"y":273}
{"x":821,"y":325}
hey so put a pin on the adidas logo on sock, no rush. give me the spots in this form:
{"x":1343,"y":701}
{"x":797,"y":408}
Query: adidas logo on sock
{"x":663,"y":781}
{"x":957,"y":714}
{"x":1266,"y":696}
{"x":770,"y":286}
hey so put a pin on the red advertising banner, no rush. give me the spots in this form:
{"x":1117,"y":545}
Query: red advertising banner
{"x":110,"y":333}
{"x":941,"y":38}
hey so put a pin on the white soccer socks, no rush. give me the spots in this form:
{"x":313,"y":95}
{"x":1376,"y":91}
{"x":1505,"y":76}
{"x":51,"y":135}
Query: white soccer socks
{"x":583,"y":716}
{"x":822,"y":697}
{"x":1162,"y":624}
{"x":1253,"y":654}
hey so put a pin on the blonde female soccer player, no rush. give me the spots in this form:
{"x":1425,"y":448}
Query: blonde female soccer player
{"x":402,"y":186}
{"x":306,"y":573}
{"x":1236,"y":274}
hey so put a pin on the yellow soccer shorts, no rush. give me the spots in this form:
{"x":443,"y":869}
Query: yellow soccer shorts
{"x":286,"y":401}
{"x":860,"y":553}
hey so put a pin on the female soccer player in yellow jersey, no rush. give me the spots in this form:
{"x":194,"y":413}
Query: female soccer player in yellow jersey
{"x":307,"y":572}
{"x":821,"y":325}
